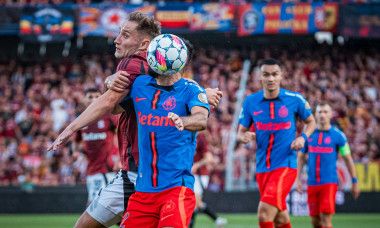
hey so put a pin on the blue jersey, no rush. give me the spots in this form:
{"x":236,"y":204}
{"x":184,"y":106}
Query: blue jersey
{"x":275,"y":124}
{"x":323,"y":147}
{"x":166,"y":154}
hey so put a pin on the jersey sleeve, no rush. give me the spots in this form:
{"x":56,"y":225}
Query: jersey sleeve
{"x":245,"y":118}
{"x":134,"y":67}
{"x":304,"y":109}
{"x":343,"y":146}
{"x":198,"y":97}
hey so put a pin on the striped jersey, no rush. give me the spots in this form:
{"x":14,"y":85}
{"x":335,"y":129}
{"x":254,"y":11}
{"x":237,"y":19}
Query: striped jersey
{"x":166,"y":154}
{"x":274,"y":121}
{"x":322,"y":148}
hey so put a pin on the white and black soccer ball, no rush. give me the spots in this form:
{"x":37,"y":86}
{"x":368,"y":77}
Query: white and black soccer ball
{"x":167,"y":54}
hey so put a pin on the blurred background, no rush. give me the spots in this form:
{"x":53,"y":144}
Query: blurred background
{"x":52,"y":50}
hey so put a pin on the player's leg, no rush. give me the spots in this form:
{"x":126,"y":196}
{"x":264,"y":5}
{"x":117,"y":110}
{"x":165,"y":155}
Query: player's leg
{"x":316,"y":221}
{"x":143,"y":211}
{"x":327,"y":204}
{"x":108,"y":207}
{"x":178,"y":204}
{"x":282,"y":220}
{"x":313,"y":203}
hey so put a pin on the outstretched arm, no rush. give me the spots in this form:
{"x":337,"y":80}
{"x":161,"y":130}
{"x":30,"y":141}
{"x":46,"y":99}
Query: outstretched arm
{"x":197,"y":121}
{"x":101,"y":106}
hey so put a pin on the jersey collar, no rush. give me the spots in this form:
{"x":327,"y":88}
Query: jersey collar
{"x":278,"y":98}
{"x":173,"y":87}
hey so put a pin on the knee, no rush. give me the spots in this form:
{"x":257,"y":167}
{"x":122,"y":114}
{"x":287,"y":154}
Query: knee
{"x":87,"y":221}
{"x":263,"y":215}
{"x":281,"y":220}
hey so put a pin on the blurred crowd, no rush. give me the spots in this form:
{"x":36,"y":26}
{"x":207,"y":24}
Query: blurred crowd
{"x":37,"y":101}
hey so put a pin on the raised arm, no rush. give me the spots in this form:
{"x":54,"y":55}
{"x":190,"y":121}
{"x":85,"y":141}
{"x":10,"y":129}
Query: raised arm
{"x":197,"y":121}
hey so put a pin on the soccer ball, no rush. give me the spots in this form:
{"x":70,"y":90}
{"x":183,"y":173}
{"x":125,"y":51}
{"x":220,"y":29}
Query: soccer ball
{"x":167,"y":54}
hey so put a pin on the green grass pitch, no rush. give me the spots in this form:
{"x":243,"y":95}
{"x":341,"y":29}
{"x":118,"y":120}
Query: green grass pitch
{"x":234,"y":221}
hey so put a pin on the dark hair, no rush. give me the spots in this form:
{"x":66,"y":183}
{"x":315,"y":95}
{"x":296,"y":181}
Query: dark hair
{"x":91,"y":90}
{"x":323,"y":103}
{"x":190,"y":53}
{"x":145,"y":25}
{"x":269,"y":62}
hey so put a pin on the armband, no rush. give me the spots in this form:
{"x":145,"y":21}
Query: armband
{"x":354,"y":180}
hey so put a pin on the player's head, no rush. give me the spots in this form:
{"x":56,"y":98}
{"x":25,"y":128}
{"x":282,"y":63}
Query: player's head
{"x":323,"y":113}
{"x":135,"y":34}
{"x":90,"y":95}
{"x":270,"y":74}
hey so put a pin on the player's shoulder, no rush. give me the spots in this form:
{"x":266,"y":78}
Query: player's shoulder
{"x":287,"y":94}
{"x":192,"y":86}
{"x":338,"y":132}
{"x":255,"y":96}
{"x":143,"y":79}
{"x":134,"y":64}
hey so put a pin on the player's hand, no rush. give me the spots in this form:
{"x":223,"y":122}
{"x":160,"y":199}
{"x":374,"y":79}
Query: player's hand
{"x":355,"y":191}
{"x":176,"y":120}
{"x":298,"y":143}
{"x":299,"y":186}
{"x":248,"y":136}
{"x":118,"y":82}
{"x":61,"y":140}
{"x":214,"y":96}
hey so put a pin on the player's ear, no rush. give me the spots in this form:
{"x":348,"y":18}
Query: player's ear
{"x":144,"y":44}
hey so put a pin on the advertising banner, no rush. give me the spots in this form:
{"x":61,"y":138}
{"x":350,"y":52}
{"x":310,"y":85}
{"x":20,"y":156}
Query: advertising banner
{"x":287,"y":18}
{"x":212,"y":16}
{"x":9,"y":20}
{"x":106,"y":19}
{"x":174,"y":16}
{"x":360,"y":21}
{"x":46,"y":24}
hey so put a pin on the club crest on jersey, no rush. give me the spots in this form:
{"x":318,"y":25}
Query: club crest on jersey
{"x":101,"y":124}
{"x":203,"y":98}
{"x":328,"y":140}
{"x":169,"y":104}
{"x":283,"y":112}
{"x":169,"y":206}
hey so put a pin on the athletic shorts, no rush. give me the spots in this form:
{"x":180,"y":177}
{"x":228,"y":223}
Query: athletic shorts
{"x":200,"y":183}
{"x":170,"y":208}
{"x":109,"y":205}
{"x":96,"y":182}
{"x":321,"y":199}
{"x":275,"y":185}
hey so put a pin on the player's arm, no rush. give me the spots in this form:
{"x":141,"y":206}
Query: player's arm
{"x":310,"y":125}
{"x":245,"y":135}
{"x":197,"y":121}
{"x":301,"y":159}
{"x":103,"y":105}
{"x":118,"y":83}
{"x":206,"y":160}
{"x":346,"y":154}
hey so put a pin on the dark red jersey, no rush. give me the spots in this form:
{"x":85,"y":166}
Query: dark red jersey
{"x":135,"y":65}
{"x":202,"y":148}
{"x":98,"y":144}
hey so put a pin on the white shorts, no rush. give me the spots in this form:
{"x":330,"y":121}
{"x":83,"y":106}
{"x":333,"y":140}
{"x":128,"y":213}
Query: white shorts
{"x":97,"y":182}
{"x":111,"y":202}
{"x":200,"y":183}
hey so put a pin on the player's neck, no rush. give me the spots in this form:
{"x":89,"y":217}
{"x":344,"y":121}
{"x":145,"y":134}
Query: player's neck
{"x":323,"y":127}
{"x":271,"y":94}
{"x":168,"y":80}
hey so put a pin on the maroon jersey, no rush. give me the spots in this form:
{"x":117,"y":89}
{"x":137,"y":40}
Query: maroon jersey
{"x":202,"y":148}
{"x":97,"y":139}
{"x":135,"y":65}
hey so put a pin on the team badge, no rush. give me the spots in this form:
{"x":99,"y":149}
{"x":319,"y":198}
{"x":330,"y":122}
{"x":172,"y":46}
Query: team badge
{"x":283,"y":112}
{"x":203,"y":98}
{"x":101,"y":124}
{"x":307,"y":106}
{"x":328,"y":140}
{"x":169,"y":206}
{"x":169,"y":104}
